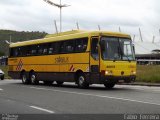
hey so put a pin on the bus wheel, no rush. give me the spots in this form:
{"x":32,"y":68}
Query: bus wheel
{"x":24,"y":78}
{"x":59,"y":83}
{"x":48,"y":82}
{"x":82,"y":83}
{"x":109,"y":85}
{"x":33,"y":79}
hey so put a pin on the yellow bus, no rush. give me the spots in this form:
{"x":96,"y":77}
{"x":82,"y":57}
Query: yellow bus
{"x":83,"y":57}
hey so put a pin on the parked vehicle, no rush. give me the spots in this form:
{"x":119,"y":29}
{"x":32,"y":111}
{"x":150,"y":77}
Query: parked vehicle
{"x":1,"y":75}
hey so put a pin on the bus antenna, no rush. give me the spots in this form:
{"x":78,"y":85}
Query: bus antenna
{"x":55,"y":23}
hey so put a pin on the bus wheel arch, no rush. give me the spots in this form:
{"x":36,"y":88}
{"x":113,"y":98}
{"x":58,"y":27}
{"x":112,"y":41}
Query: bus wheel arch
{"x":80,"y":79}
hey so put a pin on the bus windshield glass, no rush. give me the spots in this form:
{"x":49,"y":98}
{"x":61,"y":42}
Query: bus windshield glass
{"x":114,"y":48}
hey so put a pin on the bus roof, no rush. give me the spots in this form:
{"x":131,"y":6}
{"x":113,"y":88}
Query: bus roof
{"x":68,"y":35}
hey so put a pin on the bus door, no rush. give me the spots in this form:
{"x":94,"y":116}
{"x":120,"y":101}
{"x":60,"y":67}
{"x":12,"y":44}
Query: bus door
{"x":94,"y":60}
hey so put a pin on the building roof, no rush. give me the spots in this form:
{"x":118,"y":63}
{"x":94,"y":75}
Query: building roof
{"x":146,"y":47}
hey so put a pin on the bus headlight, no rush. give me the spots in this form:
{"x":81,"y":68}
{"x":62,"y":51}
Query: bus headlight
{"x":133,"y":72}
{"x":107,"y":72}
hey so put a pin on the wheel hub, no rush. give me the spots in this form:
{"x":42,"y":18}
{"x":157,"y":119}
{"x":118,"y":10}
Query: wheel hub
{"x":81,"y":80}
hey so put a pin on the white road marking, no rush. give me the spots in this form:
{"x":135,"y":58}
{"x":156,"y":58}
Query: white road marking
{"x":42,"y":109}
{"x":94,"y":95}
{"x":1,"y":89}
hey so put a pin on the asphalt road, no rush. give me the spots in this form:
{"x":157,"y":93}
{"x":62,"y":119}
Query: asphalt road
{"x":17,"y":98}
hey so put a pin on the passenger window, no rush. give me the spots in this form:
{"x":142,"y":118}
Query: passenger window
{"x":40,"y":49}
{"x":45,"y":49}
{"x":34,"y":49}
{"x":81,"y":45}
{"x":69,"y":46}
{"x":17,"y":52}
{"x":54,"y":48}
{"x":94,"y":48}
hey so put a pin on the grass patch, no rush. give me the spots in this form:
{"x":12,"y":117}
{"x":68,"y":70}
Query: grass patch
{"x":149,"y":74}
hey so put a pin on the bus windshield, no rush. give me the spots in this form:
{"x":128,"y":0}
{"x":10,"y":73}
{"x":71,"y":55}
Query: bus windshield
{"x":114,"y":48}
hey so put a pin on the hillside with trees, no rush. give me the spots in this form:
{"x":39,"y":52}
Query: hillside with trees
{"x":17,"y":36}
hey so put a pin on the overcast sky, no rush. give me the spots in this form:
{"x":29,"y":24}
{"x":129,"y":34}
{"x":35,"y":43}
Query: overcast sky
{"x":130,"y":15}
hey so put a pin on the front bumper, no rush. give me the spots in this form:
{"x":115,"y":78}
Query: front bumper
{"x":118,"y":79}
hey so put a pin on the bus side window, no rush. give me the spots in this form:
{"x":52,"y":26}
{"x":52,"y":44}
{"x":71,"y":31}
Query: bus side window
{"x":50,"y":48}
{"x":85,"y":43}
{"x":81,"y":45}
{"x":54,"y":48}
{"x":45,"y":49}
{"x":94,"y":49}
{"x":23,"y":51}
{"x":69,"y":46}
{"x":63,"y":47}
{"x":15,"y":52}
{"x":34,"y":49}
{"x":40,"y":49}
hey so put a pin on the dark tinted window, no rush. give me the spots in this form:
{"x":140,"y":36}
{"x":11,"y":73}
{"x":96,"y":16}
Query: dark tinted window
{"x":45,"y":49}
{"x":69,"y":46}
{"x":34,"y":49}
{"x":53,"y":48}
{"x":81,"y":45}
{"x":94,"y":48}
{"x":40,"y":49}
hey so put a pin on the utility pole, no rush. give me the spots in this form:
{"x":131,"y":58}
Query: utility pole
{"x":153,"y":39}
{"x":159,"y":31}
{"x":99,"y":27}
{"x":55,"y":23}
{"x":77,"y":26}
{"x":120,"y":29}
{"x":60,"y":6}
{"x":140,"y":34}
{"x":134,"y":38}
{"x":10,"y":38}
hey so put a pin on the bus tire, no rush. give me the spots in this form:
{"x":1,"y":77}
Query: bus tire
{"x":33,"y":79}
{"x":48,"y":82}
{"x":59,"y":83}
{"x":109,"y":85}
{"x":24,"y":78}
{"x":81,"y":80}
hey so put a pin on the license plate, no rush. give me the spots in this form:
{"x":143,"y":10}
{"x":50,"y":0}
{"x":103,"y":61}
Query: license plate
{"x":121,"y":81}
